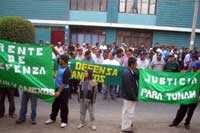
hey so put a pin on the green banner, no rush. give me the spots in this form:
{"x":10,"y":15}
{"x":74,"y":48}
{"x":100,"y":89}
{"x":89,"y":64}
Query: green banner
{"x":27,"y":67}
{"x":172,"y":88}
{"x":107,"y":74}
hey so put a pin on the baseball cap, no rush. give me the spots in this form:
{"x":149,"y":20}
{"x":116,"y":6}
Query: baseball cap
{"x":171,"y":55}
{"x":159,"y":54}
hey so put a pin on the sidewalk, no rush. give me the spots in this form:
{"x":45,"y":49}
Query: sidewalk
{"x":149,"y":118}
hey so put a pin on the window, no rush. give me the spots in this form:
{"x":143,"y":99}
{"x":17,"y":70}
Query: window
{"x":81,"y":4}
{"x":89,"y":5}
{"x":103,"y":5}
{"x":122,"y":6}
{"x":129,"y":7}
{"x":89,"y":35}
{"x":135,"y":38}
{"x":73,"y":4}
{"x":73,"y":37}
{"x":145,"y":6}
{"x":138,"y":6}
{"x":152,"y":6}
{"x":96,"y":5}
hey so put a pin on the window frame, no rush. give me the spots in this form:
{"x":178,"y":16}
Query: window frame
{"x":139,"y":9}
{"x":99,"y":10}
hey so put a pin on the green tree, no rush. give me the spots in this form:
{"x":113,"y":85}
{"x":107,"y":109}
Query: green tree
{"x":16,"y":29}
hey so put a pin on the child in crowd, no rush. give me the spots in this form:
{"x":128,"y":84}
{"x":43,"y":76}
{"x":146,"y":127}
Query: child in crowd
{"x":87,"y":97}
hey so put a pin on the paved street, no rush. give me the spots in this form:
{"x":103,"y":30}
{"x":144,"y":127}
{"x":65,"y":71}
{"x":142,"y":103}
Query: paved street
{"x":149,"y":118}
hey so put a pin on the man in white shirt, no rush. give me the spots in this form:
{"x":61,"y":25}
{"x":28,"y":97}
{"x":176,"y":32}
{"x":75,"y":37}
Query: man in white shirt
{"x":110,"y":88}
{"x":142,"y":61}
{"x":80,"y":55}
{"x":187,"y":60}
{"x":158,"y":63}
{"x":119,"y":56}
{"x":98,"y":58}
{"x":93,"y":52}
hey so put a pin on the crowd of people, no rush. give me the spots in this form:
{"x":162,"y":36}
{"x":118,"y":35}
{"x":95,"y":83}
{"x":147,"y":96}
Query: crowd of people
{"x":157,"y":59}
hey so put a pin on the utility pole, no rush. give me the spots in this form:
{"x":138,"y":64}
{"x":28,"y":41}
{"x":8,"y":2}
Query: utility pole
{"x":194,"y":24}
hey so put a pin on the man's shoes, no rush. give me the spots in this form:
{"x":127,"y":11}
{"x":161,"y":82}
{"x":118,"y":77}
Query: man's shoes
{"x":187,"y":127}
{"x":20,"y":121}
{"x":12,"y":116}
{"x":80,"y":126}
{"x":33,"y":122}
{"x":63,"y":125}
{"x":172,"y":125}
{"x":49,"y":121}
{"x":128,"y":131}
{"x":94,"y":127}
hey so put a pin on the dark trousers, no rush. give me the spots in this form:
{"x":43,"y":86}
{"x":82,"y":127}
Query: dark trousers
{"x":61,"y":103}
{"x":99,"y":86}
{"x":189,"y":109}
{"x":24,"y":105}
{"x":9,"y":93}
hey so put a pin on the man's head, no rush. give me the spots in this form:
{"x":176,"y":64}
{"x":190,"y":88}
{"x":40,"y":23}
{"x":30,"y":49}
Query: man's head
{"x":171,"y":57}
{"x":110,"y":55}
{"x":98,"y":52}
{"x":159,"y":56}
{"x":142,"y":55}
{"x":132,"y":63}
{"x":59,"y":44}
{"x":119,"y":52}
{"x":94,"y":49}
{"x":129,"y":52}
{"x":64,"y":60}
{"x":88,"y":55}
{"x":80,"y":51}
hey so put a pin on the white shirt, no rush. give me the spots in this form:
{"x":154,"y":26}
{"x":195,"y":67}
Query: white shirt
{"x":187,"y":60}
{"x":157,"y":65}
{"x":103,"y":47}
{"x":118,"y":59}
{"x":111,"y":62}
{"x":98,"y":60}
{"x":60,"y":50}
{"x":143,"y":64}
{"x":79,"y":57}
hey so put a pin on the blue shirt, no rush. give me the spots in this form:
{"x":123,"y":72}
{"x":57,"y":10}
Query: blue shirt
{"x":59,"y":77}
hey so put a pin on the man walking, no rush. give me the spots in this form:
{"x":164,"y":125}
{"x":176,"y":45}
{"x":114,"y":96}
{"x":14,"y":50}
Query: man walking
{"x":129,"y":94}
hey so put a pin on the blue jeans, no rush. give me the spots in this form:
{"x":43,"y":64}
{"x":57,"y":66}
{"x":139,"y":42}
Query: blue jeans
{"x":108,"y":89}
{"x":25,"y":97}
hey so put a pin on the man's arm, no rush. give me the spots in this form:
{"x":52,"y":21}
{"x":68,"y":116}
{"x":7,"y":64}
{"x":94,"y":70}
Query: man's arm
{"x":55,"y":51}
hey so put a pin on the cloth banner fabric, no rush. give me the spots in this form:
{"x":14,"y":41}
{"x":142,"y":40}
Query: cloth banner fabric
{"x":27,"y":67}
{"x":108,"y":74}
{"x":171,"y":88}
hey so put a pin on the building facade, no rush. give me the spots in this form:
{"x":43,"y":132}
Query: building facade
{"x":134,"y":22}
